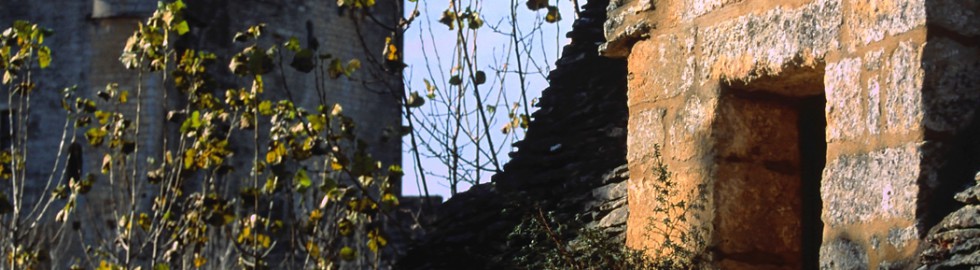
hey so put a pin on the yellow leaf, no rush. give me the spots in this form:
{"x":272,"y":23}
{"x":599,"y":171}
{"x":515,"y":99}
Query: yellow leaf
{"x":345,"y":227}
{"x":391,"y":51}
{"x":144,"y":222}
{"x":348,"y":253}
{"x":264,"y":240}
{"x":275,"y":155}
{"x":316,"y":215}
{"x":123,"y":96}
{"x":189,"y":158}
{"x":553,"y":15}
{"x":313,"y":249}
{"x":199,"y":260}
{"x":44,"y":57}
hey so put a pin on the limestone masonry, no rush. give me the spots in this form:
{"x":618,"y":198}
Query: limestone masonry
{"x":825,"y":132}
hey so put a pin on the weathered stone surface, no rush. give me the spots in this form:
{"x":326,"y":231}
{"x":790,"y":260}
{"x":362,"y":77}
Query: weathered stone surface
{"x":903,"y":82}
{"x":954,"y":243}
{"x":694,"y":8}
{"x":844,"y":110}
{"x":754,"y":45}
{"x":952,"y":86}
{"x":758,"y":163}
{"x":842,"y":254}
{"x":877,"y":185}
{"x":610,"y":192}
{"x":962,"y":17}
{"x":647,"y":127}
{"x":658,"y":71}
{"x":870,"y":21}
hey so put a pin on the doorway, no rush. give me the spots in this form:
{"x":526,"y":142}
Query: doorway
{"x":770,"y":138}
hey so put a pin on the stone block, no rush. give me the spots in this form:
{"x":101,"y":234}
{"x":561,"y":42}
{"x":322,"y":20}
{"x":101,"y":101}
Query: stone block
{"x":761,"y":44}
{"x":962,"y":17}
{"x":844,"y":114}
{"x":609,"y":192}
{"x":951,"y":94}
{"x":757,"y":211}
{"x":752,"y":129}
{"x":615,"y":218}
{"x":646,"y":128}
{"x":873,"y":115}
{"x":655,"y":73}
{"x":694,"y":8}
{"x":903,"y":89}
{"x":842,"y":254}
{"x":868,"y":21}
{"x":874,"y":186}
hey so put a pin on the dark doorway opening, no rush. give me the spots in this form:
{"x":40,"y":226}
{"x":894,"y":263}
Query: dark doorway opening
{"x":813,"y":156}
{"x":771,"y":143}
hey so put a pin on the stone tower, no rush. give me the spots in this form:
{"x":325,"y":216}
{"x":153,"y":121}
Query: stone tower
{"x":90,"y":35}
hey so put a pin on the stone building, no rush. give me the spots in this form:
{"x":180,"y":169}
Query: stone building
{"x":830,"y":132}
{"x":826,"y":134}
{"x":90,"y":36}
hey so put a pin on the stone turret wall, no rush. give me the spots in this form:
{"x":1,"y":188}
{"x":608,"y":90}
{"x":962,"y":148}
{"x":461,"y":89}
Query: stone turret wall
{"x":89,"y":38}
{"x":721,"y":84}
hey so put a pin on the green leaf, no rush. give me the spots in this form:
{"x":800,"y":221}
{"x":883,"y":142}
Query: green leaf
{"x":448,"y":18}
{"x":265,"y":108}
{"x":95,"y":136}
{"x":292,"y":44}
{"x":536,"y":4}
{"x":430,"y":90}
{"x":191,"y":123}
{"x":376,"y":241}
{"x":475,"y":21}
{"x":182,"y":27}
{"x":336,"y":69}
{"x":44,"y":57}
{"x":102,"y":116}
{"x":352,"y":65}
{"x":178,"y":5}
{"x":414,"y":100}
{"x":345,"y":227}
{"x":302,"y":181}
{"x":480,"y":78}
{"x":348,"y":254}
{"x":455,"y":80}
{"x":303,"y":61}
{"x":259,"y":62}
{"x":317,"y":123}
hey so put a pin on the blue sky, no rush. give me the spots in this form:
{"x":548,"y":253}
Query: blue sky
{"x":492,"y":52}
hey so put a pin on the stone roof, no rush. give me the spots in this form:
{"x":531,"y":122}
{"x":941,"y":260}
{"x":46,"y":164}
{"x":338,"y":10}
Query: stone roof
{"x":954,"y":243}
{"x":571,"y":164}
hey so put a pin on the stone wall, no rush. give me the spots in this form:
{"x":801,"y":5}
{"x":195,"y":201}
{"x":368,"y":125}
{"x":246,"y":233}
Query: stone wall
{"x":719,"y":84}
